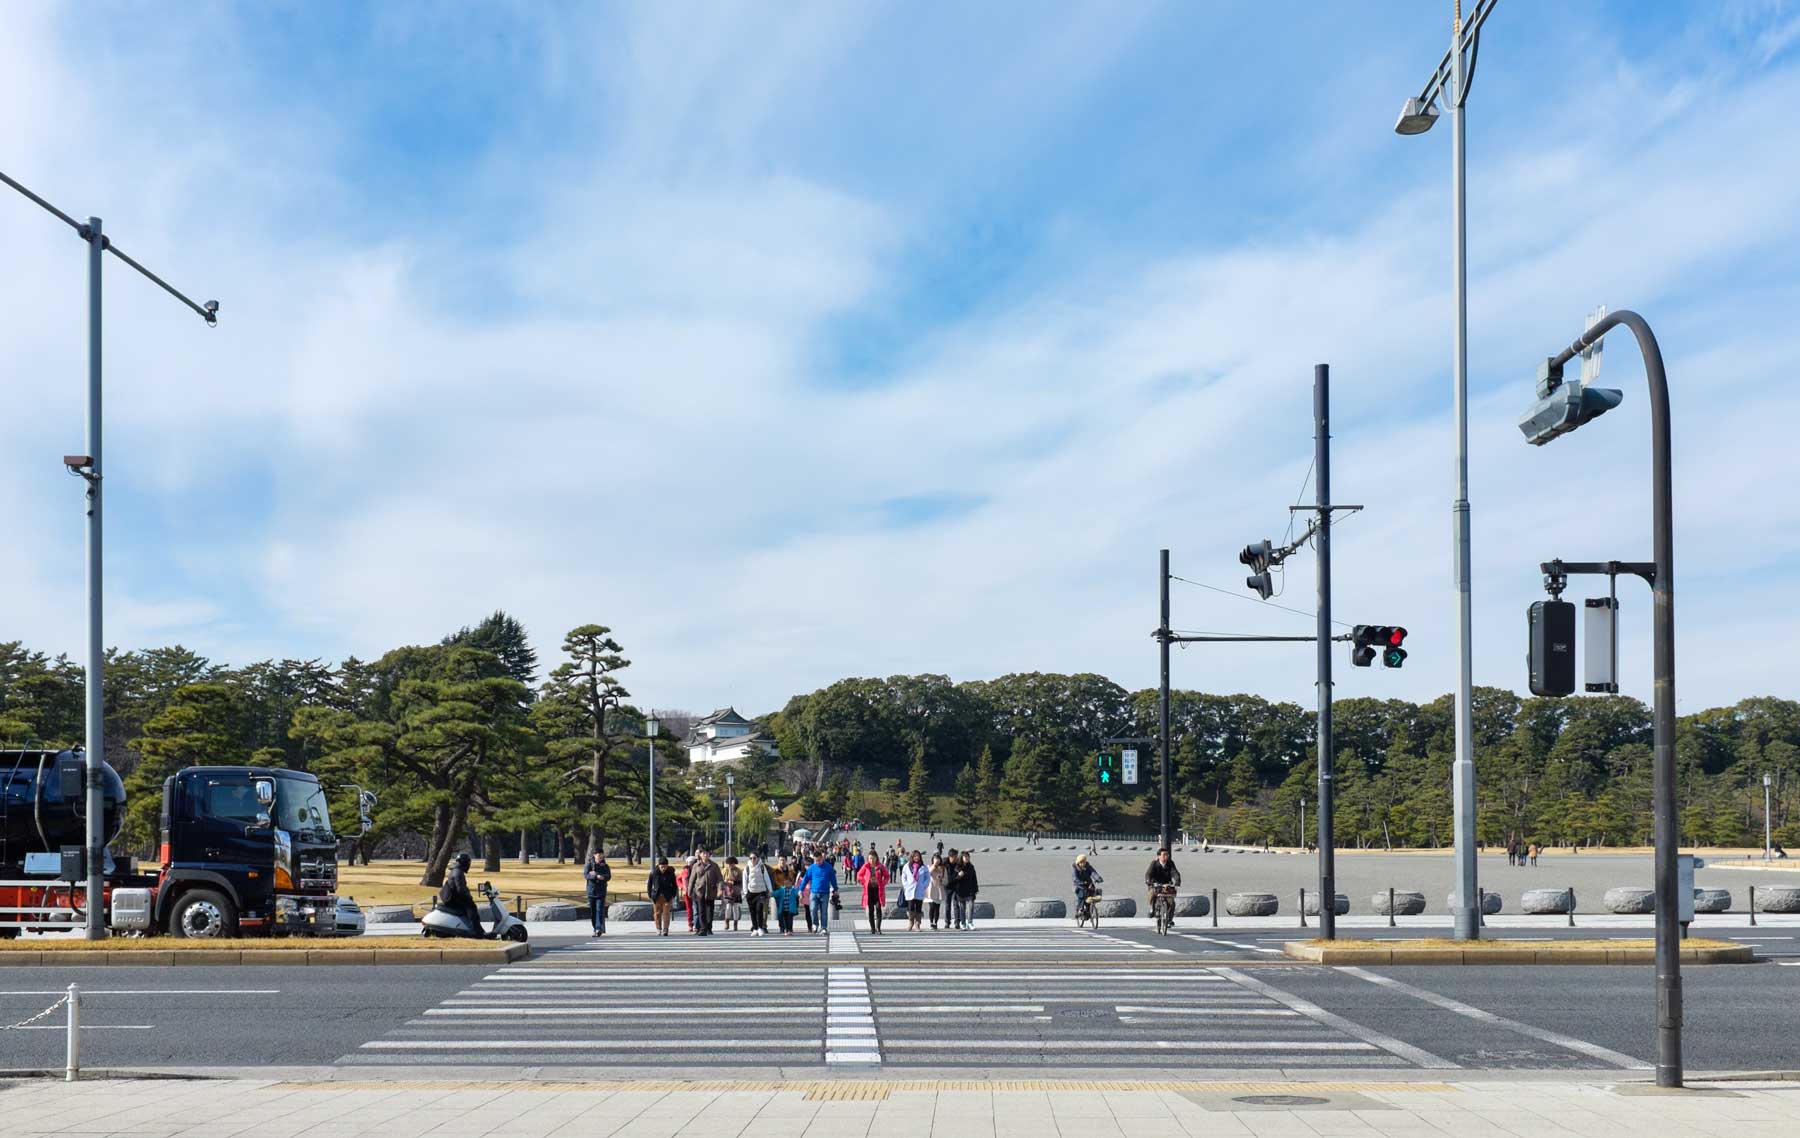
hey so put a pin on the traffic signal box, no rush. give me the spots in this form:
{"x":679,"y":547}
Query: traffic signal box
{"x":1368,"y":640}
{"x":1550,"y":652}
{"x":1107,"y":769}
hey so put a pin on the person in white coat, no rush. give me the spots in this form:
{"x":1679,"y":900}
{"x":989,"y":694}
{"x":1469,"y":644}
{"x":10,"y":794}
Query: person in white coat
{"x":758,"y":886}
{"x":935,"y":889}
{"x":915,"y":882}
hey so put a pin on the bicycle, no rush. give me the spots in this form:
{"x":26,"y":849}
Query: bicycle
{"x":1162,"y":907}
{"x":1085,"y":911}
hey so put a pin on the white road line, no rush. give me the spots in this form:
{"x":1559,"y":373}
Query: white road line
{"x":584,"y":1044}
{"x":1123,"y":1008}
{"x":1787,"y":964}
{"x":1102,"y":1045}
{"x":86,"y":992}
{"x":1604,"y":1054}
{"x":850,"y":1033}
{"x":464,"y":1010}
{"x":842,"y":944}
{"x":915,"y":1009}
{"x":1232,"y":944}
{"x":87,"y":1027}
{"x":1313,"y":1011}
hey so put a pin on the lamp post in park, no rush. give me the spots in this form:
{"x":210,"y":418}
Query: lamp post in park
{"x":1563,"y":407}
{"x":1768,"y":842}
{"x":1450,"y":80}
{"x":89,"y":467}
{"x":650,"y":728}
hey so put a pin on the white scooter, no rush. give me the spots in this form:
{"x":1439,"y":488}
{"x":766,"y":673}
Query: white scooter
{"x":501,"y":925}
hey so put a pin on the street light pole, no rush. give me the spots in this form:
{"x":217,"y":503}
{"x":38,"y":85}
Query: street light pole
{"x":730,"y":813}
{"x":650,"y":729}
{"x":89,"y":467}
{"x":1768,"y":844}
{"x":1662,"y":590}
{"x":1451,"y":80}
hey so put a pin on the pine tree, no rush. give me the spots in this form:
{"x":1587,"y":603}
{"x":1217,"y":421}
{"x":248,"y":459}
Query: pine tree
{"x":968,"y":799}
{"x":1028,"y":790}
{"x":915,"y":806}
{"x":987,"y":789}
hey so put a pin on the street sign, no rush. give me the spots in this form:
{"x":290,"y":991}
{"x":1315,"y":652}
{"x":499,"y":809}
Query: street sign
{"x":1129,"y":769}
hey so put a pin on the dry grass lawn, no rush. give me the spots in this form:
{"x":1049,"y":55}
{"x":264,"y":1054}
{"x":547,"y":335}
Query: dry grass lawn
{"x":390,"y":882}
{"x":1522,"y":946}
{"x":171,"y":944}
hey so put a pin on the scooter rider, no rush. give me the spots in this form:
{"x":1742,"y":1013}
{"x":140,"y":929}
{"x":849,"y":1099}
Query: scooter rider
{"x":454,"y":896}
{"x":1162,"y":871}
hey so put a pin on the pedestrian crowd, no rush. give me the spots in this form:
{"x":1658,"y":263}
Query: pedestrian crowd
{"x":936,"y":889}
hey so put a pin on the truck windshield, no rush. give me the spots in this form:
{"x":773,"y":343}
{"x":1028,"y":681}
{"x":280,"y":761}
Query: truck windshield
{"x":300,"y":806}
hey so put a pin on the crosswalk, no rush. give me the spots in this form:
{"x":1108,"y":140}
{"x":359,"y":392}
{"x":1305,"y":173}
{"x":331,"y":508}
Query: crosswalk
{"x":1114,"y":1016}
{"x":1060,"y":941}
{"x":683,"y":948}
{"x":848,"y":1011}
{"x":528,"y":1014}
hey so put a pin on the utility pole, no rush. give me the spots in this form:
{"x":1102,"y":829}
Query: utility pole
{"x":89,"y":467}
{"x":1322,"y":481}
{"x":1163,"y":636}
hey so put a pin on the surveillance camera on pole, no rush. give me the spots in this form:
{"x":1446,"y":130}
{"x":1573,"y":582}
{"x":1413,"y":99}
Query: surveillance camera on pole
{"x":1259,"y":555}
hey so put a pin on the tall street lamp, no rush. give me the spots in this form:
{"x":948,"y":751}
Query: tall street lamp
{"x":1768,"y":845}
{"x":89,"y":467}
{"x":1450,"y":81}
{"x":650,"y":729}
{"x":730,"y":812}
{"x":1561,"y":408}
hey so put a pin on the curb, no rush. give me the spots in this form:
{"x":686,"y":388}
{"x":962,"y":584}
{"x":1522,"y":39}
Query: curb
{"x":1627,"y":953}
{"x":480,"y":954}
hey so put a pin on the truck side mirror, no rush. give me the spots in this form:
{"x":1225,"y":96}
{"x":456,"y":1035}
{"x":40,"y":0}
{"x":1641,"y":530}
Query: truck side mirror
{"x":265,"y":792}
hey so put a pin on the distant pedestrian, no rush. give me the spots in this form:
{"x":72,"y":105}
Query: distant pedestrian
{"x":873,"y":877}
{"x":1535,"y":850}
{"x":704,"y":883}
{"x":731,"y":894}
{"x":758,"y":885}
{"x":597,"y":873}
{"x":822,"y":886}
{"x":967,"y":886}
{"x":935,"y":889}
{"x":681,"y":884}
{"x":914,"y":880}
{"x":940,"y":849}
{"x":663,"y":889}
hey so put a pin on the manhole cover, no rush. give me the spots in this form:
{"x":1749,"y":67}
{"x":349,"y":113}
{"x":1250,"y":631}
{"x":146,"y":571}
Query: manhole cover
{"x":1280,"y":1100}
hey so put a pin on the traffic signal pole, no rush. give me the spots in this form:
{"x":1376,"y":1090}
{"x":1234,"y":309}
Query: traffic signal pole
{"x":1162,"y":710}
{"x":1322,"y":480}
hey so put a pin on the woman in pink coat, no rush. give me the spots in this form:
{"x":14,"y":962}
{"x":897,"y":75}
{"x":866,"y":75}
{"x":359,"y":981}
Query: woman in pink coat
{"x":874,"y":878}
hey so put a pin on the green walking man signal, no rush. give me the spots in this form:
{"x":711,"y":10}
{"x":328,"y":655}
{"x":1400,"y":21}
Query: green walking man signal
{"x":1108,"y":766}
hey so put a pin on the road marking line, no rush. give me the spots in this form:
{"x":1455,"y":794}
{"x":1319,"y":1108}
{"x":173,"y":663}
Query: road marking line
{"x":580,"y":1044}
{"x":1313,"y":1011}
{"x":465,"y":1010}
{"x":913,"y":1009}
{"x":1206,"y":1011}
{"x":1102,"y":1045}
{"x":842,"y":944}
{"x":85,"y":992}
{"x":850,"y":1034}
{"x":1605,"y":1054}
{"x":1232,"y":944}
{"x":87,"y":1027}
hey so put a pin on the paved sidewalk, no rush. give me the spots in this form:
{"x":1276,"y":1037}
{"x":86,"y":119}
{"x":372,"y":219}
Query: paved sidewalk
{"x":897,"y":1108}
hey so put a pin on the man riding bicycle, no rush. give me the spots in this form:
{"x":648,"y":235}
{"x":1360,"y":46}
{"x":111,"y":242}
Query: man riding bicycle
{"x":1087,"y":882}
{"x":1162,"y":874}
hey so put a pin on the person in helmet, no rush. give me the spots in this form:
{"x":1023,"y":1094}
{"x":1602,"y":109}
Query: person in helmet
{"x":454,"y":896}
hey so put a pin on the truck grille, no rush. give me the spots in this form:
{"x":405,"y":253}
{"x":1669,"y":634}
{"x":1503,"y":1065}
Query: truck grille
{"x":317,"y":873}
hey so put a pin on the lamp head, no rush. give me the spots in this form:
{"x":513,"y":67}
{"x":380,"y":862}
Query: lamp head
{"x":1416,"y":117}
{"x":651,"y":727}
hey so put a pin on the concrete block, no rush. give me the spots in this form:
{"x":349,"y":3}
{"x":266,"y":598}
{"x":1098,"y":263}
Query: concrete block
{"x":1712,"y":900}
{"x":1547,"y":901}
{"x":1490,"y":902}
{"x":1340,"y":904}
{"x":628,"y":911}
{"x":389,"y":915}
{"x":1407,"y":902}
{"x":1777,"y":899}
{"x":1041,"y":907}
{"x":1115,"y":907}
{"x":1192,"y":905}
{"x":1252,"y":905}
{"x":1629,"y":899}
{"x":557,"y":911}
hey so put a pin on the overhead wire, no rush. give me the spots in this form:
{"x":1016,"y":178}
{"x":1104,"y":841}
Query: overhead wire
{"x":1253,"y":600}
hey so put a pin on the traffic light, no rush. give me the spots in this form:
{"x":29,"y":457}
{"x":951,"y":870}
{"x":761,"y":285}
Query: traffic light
{"x":1108,"y":767}
{"x":1550,"y":650}
{"x":1395,"y":655}
{"x":1369,"y":639}
{"x":1257,"y":556}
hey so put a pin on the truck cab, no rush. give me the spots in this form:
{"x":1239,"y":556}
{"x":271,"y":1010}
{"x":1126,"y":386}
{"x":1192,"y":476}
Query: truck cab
{"x":245,"y":850}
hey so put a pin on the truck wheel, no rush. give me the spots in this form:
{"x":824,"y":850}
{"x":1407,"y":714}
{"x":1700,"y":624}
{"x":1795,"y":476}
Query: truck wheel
{"x":203,"y":914}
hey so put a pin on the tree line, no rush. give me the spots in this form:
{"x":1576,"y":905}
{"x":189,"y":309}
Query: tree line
{"x":468,"y":748}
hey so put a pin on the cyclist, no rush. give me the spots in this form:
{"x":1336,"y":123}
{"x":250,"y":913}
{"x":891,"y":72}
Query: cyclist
{"x":1162,"y":872}
{"x":1087,"y":881}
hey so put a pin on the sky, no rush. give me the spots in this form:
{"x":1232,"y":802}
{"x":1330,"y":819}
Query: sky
{"x":833,"y":339}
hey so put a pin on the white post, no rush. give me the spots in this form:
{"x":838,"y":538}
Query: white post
{"x":72,"y":1063}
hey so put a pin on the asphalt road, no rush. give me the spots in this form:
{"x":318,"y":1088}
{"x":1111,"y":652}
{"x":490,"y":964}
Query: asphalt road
{"x":1039,"y":998}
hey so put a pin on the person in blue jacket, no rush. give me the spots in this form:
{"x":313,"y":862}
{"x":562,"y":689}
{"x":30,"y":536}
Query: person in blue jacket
{"x":821,"y":881}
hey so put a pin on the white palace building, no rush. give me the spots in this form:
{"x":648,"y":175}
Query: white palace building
{"x":725,"y":737}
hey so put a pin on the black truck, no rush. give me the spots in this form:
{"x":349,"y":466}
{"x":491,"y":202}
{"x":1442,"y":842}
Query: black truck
{"x":242,"y":850}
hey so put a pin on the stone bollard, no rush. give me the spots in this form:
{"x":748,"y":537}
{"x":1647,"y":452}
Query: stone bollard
{"x":1252,"y":904}
{"x":1629,"y":899}
{"x":1340,"y":904}
{"x":1191,"y":905}
{"x":1712,"y":900}
{"x":1033,"y":908}
{"x":629,"y":911}
{"x":1399,"y":903}
{"x":556,"y":911}
{"x":981,"y":911}
{"x":1538,"y":901}
{"x":1490,"y":902}
{"x":1780,"y":899}
{"x":390,"y":915}
{"x":1115,"y":907}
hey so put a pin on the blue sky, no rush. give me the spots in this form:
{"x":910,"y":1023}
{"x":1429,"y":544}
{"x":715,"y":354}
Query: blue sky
{"x":855,"y":339}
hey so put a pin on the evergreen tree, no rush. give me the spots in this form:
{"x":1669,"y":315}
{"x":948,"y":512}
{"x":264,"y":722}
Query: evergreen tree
{"x":202,"y":724}
{"x":915,"y":807}
{"x":987,"y":789}
{"x":968,"y":799}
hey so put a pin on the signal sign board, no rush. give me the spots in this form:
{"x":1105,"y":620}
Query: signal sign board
{"x":1129,"y":766}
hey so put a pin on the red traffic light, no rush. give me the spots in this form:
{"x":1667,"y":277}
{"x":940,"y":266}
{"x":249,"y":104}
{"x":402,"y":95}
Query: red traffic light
{"x":1396,"y":636}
